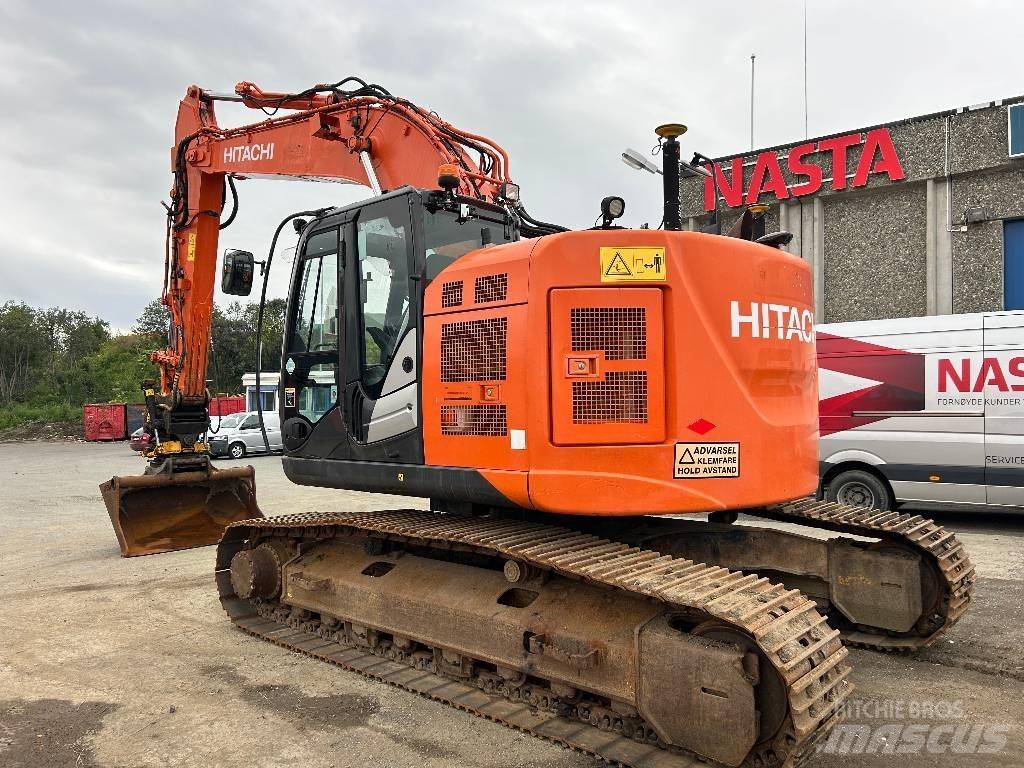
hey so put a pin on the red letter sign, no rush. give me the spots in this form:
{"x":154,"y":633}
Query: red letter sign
{"x":800,"y":168}
{"x":767,"y":177}
{"x":948,"y":374}
{"x":838,"y":147}
{"x":878,"y":156}
{"x":878,"y":141}
{"x":732,"y":192}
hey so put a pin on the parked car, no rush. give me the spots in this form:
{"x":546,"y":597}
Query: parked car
{"x":240,"y":434}
{"x":138,"y":440}
{"x":923,"y":409}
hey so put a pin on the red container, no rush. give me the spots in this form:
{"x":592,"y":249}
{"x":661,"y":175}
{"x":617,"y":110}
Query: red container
{"x":226,"y":404}
{"x":104,"y":421}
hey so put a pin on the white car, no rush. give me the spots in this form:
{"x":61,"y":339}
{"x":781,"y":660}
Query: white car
{"x":239,"y":434}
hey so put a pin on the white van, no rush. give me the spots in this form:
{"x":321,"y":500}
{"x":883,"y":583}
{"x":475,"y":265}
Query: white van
{"x":923,"y":409}
{"x":239,"y":436}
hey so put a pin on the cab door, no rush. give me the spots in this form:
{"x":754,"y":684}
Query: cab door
{"x":381,"y":393}
{"x":311,"y":362}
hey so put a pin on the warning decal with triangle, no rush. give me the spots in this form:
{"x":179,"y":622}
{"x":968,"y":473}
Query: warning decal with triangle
{"x":633,"y":264}
{"x":618,"y":267}
{"x":700,"y":460}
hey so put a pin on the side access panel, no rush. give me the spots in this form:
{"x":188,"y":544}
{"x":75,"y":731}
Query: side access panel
{"x":607,"y":366}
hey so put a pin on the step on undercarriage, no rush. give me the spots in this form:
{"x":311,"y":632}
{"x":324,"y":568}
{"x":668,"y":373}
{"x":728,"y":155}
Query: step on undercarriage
{"x":635,"y":656}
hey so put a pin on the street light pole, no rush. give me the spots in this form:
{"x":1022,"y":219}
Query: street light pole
{"x":752,"y":57}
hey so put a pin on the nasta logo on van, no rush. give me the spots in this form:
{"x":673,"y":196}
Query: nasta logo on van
{"x":967,"y":375}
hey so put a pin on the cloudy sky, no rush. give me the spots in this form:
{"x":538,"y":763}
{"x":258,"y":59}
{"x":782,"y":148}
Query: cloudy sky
{"x":92,"y":88}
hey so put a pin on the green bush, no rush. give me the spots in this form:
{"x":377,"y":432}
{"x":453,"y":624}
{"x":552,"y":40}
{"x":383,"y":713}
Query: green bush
{"x":55,"y":360}
{"x":16,"y":415}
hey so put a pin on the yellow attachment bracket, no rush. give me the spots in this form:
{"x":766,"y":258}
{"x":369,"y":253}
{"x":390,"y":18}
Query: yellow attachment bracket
{"x":169,"y":447}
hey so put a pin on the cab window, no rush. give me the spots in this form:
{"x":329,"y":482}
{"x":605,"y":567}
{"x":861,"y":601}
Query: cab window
{"x":316,"y":318}
{"x":313,"y":345}
{"x":445,"y":238}
{"x":383,"y":295}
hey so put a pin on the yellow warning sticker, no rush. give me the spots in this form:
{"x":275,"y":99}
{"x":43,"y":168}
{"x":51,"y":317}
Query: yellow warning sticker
{"x":191,"y":246}
{"x":633,"y":264}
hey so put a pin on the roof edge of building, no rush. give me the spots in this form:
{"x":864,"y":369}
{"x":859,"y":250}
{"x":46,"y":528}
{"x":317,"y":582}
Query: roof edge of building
{"x":892,"y":123}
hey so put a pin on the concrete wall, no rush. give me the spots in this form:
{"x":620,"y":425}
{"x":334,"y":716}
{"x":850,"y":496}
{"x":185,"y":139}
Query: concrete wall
{"x":874,"y":261}
{"x":901,"y":249}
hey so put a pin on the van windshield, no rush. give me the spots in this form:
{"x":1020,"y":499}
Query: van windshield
{"x":231,"y":420}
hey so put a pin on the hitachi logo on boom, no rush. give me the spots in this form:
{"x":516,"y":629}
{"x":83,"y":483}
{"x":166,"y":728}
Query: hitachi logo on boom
{"x":249,"y":152}
{"x":772,"y":321}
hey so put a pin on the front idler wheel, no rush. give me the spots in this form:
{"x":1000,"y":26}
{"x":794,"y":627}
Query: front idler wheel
{"x":771,"y":697}
{"x":256,"y":573}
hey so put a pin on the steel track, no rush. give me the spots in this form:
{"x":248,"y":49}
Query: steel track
{"x":939,"y":547}
{"x":804,"y":650}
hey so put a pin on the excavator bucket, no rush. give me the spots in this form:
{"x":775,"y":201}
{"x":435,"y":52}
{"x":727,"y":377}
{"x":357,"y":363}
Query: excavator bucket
{"x":165,"y":512}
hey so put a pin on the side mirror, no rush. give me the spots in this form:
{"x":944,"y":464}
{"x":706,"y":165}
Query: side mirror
{"x":236,"y":276}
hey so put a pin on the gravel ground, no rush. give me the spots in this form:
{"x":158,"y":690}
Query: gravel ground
{"x":113,"y":662}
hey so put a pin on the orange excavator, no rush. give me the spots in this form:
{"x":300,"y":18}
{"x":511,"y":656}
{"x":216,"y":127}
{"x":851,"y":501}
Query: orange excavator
{"x":568,"y":401}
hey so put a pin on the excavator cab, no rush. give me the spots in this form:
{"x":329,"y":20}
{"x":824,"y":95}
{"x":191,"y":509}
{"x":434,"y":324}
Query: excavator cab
{"x":352,"y":369}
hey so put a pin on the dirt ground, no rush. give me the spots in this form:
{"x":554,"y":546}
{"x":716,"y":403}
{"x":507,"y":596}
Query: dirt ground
{"x":132,"y":663}
{"x":70,"y":431}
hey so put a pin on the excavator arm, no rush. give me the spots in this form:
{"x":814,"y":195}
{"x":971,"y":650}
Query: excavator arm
{"x":362,"y":135}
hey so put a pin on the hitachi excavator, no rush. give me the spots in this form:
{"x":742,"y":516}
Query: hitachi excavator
{"x":568,"y":401}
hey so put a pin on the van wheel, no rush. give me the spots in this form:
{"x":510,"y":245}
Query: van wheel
{"x":861,"y":489}
{"x":236,"y":451}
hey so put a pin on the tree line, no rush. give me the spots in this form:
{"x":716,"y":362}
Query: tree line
{"x":54,"y":360}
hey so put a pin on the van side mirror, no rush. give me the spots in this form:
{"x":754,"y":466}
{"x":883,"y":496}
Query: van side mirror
{"x":237,"y":273}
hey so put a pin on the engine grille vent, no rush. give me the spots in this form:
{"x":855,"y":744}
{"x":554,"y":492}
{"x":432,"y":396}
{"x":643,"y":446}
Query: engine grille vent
{"x":474,"y":420}
{"x":490,"y":288}
{"x":619,"y":332}
{"x":451,"y":294}
{"x":474,"y":350}
{"x":621,"y":397}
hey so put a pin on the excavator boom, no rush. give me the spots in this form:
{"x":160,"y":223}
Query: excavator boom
{"x":360,"y":136}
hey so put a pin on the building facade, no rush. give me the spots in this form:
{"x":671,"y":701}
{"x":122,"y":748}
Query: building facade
{"x":925,"y":216}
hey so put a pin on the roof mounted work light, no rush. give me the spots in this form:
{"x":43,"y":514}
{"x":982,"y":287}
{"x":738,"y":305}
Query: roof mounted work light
{"x":612,"y":207}
{"x":509,"y":191}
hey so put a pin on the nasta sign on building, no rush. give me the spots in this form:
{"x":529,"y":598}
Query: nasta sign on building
{"x":878,"y":156}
